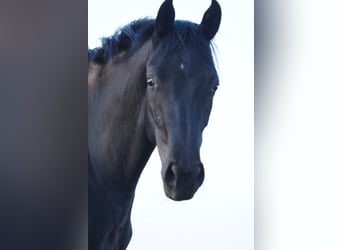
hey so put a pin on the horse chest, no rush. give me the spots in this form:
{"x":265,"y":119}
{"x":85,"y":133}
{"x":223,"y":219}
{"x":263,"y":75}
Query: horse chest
{"x":109,"y":216}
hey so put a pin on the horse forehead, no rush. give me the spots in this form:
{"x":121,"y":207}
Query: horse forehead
{"x":193,"y":62}
{"x":195,"y":67}
{"x":183,"y":61}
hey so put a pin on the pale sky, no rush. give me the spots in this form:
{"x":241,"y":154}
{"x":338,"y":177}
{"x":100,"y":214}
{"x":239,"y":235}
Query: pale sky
{"x":221,"y":214}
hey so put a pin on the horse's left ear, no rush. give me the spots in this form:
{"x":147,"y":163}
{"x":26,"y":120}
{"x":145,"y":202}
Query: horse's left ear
{"x":165,"y":19}
{"x":211,"y":20}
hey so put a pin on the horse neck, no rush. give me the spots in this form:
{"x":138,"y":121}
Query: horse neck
{"x":117,"y":140}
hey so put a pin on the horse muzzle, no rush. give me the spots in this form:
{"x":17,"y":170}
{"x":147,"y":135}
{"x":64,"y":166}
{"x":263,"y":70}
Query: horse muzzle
{"x":181,"y":182}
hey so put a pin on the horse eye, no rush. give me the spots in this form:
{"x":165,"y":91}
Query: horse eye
{"x":150,"y":81}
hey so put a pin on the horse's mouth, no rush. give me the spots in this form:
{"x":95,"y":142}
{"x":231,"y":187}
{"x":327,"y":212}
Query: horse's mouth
{"x":179,"y":194}
{"x":179,"y":197}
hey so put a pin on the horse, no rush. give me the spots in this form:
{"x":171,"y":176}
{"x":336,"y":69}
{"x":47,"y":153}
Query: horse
{"x":150,"y":85}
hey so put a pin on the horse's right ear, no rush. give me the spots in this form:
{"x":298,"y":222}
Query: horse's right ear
{"x":165,"y":19}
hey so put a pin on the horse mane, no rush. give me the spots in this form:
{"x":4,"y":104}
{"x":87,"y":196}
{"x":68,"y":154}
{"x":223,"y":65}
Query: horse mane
{"x":124,"y":39}
{"x":131,"y":36}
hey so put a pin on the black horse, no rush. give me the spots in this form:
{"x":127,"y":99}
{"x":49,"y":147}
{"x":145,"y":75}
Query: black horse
{"x":151,"y":84}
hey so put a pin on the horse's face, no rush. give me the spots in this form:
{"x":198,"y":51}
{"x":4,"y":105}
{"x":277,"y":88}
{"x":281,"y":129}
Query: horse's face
{"x":180,"y":89}
{"x":180,"y":94}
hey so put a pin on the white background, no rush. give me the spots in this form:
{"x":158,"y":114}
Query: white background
{"x":221,"y":214}
{"x":298,"y":126}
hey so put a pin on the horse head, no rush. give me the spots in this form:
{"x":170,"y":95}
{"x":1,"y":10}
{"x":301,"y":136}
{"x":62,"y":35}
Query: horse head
{"x":180,"y":84}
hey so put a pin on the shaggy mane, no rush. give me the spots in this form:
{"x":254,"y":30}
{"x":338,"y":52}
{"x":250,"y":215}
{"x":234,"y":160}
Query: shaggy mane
{"x":131,"y":36}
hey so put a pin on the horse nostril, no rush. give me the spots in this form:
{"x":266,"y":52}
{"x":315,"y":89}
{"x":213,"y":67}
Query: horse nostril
{"x":200,"y":176}
{"x":170,"y":176}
